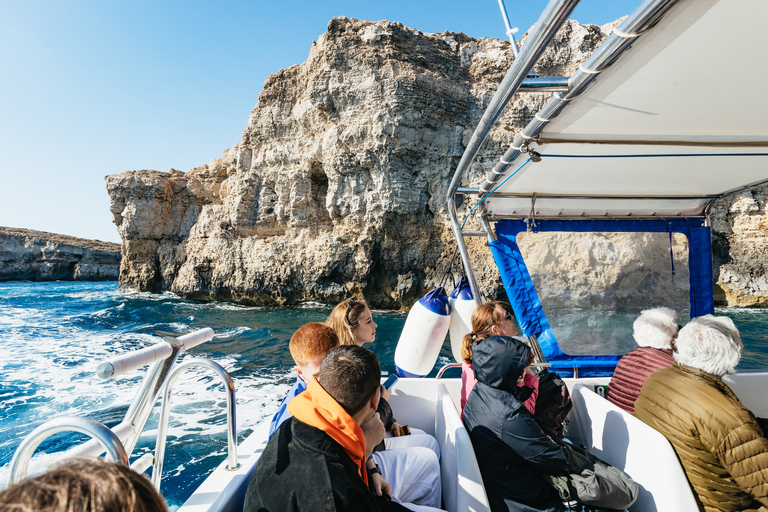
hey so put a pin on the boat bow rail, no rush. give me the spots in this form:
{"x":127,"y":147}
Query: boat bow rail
{"x":120,"y":441}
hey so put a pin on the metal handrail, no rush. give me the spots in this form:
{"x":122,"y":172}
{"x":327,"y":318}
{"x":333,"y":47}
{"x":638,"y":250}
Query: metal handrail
{"x":121,"y":439}
{"x":146,"y":398}
{"x":555,"y":14}
{"x":98,"y":431}
{"x":447,"y":367}
{"x":162,"y":431}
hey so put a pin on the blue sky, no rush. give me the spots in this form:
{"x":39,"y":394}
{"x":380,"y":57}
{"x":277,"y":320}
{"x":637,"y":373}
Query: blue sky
{"x":91,"y":88}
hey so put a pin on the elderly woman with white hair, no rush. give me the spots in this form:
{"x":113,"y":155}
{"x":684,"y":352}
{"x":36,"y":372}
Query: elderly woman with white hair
{"x":654,"y":332}
{"x":718,"y":440}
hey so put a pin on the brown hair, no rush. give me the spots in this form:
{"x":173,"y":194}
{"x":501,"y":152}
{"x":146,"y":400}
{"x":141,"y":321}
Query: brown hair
{"x":311,"y":341}
{"x":351,"y":375}
{"x":344,"y":320}
{"x":84,"y":485}
{"x":484,"y":317}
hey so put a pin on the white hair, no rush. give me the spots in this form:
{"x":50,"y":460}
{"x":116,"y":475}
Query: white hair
{"x":655,"y":328}
{"x":709,"y":343}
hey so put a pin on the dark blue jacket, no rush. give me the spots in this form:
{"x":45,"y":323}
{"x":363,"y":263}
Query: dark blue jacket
{"x":512,"y":450}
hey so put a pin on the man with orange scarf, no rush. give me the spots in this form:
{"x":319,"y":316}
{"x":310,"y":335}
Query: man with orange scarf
{"x":316,"y":460}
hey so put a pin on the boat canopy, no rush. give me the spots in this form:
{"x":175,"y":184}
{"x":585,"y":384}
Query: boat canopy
{"x":663,"y":119}
{"x":676,"y":121}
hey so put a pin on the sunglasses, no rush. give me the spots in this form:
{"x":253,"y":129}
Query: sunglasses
{"x":351,"y":305}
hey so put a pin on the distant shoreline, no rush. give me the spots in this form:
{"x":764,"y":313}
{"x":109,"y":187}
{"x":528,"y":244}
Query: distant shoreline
{"x":62,"y":239}
{"x":29,"y":255}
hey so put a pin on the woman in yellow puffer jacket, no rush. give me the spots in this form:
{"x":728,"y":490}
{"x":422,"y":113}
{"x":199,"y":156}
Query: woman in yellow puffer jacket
{"x":718,"y":441}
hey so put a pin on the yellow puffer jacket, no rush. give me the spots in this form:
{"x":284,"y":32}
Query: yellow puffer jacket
{"x":721,"y":447}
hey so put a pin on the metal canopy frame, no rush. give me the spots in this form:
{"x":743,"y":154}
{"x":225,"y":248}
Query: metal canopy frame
{"x":640,"y":22}
{"x":550,"y":21}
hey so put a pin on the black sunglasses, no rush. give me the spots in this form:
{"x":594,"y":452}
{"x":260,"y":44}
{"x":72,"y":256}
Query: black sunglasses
{"x":351,"y":305}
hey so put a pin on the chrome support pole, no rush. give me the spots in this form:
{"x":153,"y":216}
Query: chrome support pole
{"x":99,"y":432}
{"x":146,"y":398}
{"x":533,"y":342}
{"x":463,"y":252}
{"x":487,"y":228}
{"x":545,"y":84}
{"x":510,"y":31}
{"x":553,"y":17}
{"x":162,"y":429}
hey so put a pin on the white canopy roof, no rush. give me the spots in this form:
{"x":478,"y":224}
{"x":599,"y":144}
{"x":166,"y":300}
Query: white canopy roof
{"x":679,"y":119}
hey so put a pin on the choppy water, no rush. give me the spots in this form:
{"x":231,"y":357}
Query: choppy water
{"x":55,"y":334}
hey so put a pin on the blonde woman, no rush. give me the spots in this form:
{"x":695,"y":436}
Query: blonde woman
{"x":353,"y":323}
{"x":492,"y":319}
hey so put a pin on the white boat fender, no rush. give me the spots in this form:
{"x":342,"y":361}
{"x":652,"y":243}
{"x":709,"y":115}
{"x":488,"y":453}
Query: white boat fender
{"x":462,"y":306}
{"x":423,"y":335}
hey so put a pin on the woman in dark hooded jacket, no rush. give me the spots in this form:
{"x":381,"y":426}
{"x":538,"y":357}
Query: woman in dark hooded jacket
{"x":512,"y":450}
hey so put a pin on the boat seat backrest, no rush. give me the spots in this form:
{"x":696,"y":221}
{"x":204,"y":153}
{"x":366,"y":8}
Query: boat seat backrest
{"x":463,"y":488}
{"x":627,"y":443}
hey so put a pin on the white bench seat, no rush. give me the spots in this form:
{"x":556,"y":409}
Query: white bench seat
{"x":627,"y":443}
{"x":463,"y":488}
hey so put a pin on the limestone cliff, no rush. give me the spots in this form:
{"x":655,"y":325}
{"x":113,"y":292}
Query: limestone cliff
{"x":740,"y":243}
{"x":338,"y":185}
{"x":38,"y":256}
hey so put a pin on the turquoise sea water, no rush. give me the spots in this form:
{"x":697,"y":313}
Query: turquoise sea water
{"x":55,"y":334}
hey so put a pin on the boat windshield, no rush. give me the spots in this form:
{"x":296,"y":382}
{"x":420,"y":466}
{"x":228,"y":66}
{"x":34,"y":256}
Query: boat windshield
{"x":591,"y":301}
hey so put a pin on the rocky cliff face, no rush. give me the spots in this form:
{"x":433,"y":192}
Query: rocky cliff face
{"x":338,"y":185}
{"x":740,"y":246}
{"x":38,"y":256}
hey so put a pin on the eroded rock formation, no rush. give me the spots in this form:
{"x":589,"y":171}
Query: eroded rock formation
{"x":38,"y":256}
{"x":338,"y":185}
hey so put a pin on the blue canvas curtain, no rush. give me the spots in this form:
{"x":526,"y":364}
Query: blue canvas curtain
{"x":527,"y":306}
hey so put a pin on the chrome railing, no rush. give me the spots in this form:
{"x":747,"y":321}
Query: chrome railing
{"x":445,"y":368}
{"x":162,"y":431}
{"x":100,"y":434}
{"x":121,"y":440}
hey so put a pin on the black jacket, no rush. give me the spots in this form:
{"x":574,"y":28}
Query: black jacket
{"x":303,"y":469}
{"x":512,"y":450}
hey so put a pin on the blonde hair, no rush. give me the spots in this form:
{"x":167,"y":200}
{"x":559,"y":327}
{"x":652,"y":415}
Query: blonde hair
{"x":484,"y":317}
{"x":344,"y":320}
{"x":84,"y":485}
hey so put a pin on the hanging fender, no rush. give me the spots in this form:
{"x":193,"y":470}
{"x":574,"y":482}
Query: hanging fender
{"x":423,"y":335}
{"x":462,"y":306}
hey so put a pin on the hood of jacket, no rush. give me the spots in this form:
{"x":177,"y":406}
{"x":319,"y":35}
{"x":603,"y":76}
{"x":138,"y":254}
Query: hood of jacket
{"x":498,"y":361}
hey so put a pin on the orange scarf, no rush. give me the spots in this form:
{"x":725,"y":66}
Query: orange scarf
{"x":318,"y":409}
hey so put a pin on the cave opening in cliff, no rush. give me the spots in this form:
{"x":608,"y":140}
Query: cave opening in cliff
{"x":319,"y":189}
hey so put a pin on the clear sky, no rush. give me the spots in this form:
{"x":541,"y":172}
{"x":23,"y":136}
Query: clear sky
{"x":92,"y":87}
